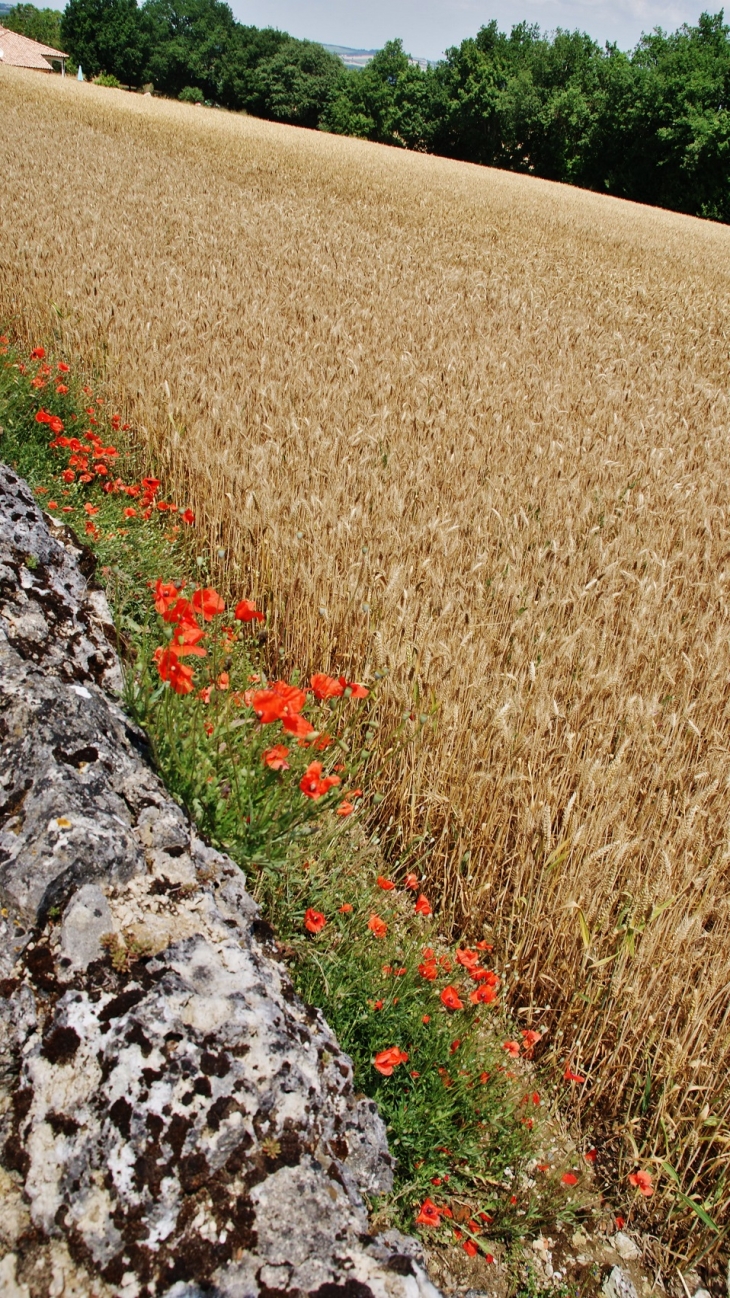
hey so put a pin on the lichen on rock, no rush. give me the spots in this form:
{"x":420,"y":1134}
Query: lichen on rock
{"x":174,"y":1120}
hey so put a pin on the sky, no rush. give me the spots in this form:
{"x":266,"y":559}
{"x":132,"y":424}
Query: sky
{"x":428,"y":27}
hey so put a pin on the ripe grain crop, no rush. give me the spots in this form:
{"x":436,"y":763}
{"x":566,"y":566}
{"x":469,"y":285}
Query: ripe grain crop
{"x":471,"y":428}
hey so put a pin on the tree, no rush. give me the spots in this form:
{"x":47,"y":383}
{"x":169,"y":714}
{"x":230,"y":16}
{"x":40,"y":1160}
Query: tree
{"x":248,"y":47}
{"x":107,"y":36}
{"x":42,"y":25}
{"x":391,"y":100}
{"x":190,"y":40}
{"x":296,"y":83}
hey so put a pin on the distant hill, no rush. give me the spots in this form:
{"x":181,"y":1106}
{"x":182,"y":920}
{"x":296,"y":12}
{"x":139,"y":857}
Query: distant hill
{"x":360,"y":58}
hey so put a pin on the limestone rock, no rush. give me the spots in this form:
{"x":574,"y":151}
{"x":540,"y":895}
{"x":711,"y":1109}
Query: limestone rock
{"x":618,"y":1285}
{"x":625,"y":1246}
{"x":173,"y":1119}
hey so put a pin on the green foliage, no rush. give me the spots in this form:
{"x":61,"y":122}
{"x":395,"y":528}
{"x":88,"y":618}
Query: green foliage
{"x":108,"y":36}
{"x":105,"y":79}
{"x":189,"y":41}
{"x":296,"y":83}
{"x":42,"y":25}
{"x":191,"y":95}
{"x":390,"y":100}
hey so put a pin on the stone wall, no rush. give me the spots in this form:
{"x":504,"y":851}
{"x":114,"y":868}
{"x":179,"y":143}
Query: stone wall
{"x":173,"y":1119}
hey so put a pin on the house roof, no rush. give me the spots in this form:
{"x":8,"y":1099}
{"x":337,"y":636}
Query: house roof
{"x":21,"y":52}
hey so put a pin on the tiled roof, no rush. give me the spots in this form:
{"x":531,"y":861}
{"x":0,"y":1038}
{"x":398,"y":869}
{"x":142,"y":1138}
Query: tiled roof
{"x":21,"y":52}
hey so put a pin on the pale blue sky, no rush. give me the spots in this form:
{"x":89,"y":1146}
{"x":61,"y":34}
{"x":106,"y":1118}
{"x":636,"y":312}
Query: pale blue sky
{"x":427,"y":27}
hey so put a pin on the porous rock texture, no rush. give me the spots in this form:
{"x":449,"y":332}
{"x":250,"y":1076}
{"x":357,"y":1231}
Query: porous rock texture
{"x":173,"y":1119}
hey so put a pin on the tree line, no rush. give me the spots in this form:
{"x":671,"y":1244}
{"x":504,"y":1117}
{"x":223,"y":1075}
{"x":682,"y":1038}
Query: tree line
{"x":652,"y":124}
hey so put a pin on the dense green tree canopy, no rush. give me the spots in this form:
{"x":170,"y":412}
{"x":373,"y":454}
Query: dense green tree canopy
{"x":107,"y":36}
{"x":651,"y":125}
{"x":42,"y":25}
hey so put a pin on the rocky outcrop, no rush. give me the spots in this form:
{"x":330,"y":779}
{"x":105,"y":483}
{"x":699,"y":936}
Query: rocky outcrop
{"x":173,"y":1119}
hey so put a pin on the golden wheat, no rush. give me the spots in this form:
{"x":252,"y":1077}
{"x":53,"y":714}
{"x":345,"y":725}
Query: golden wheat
{"x":474,"y":427}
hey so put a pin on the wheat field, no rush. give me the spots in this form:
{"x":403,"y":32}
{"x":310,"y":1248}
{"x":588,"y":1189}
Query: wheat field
{"x":473,"y":428}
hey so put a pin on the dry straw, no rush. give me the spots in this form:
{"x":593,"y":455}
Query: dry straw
{"x":474,"y":427}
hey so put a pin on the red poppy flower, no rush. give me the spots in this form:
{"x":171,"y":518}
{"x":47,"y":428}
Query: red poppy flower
{"x":61,"y":389}
{"x":188,"y":517}
{"x":428,"y":970}
{"x":299,"y":726}
{"x":275,"y":758}
{"x":423,"y":906}
{"x":643,"y":1183}
{"x":469,"y":959}
{"x":454,"y":1046}
{"x":411,"y":881}
{"x":205,"y":693}
{"x":314,"y":920}
{"x":470,"y":1247}
{"x":485,"y":976}
{"x":569,"y":1178}
{"x":91,"y":509}
{"x":151,"y":485}
{"x":530,"y":1039}
{"x":450,"y":998}
{"x":483,"y":1078}
{"x":171,"y":669}
{"x":385,"y":884}
{"x":512,"y":1048}
{"x":53,"y":504}
{"x":357,"y":691}
{"x":570,"y":1076}
{"x":208,"y":603}
{"x":63,"y":367}
{"x":38,"y":353}
{"x":313,"y":785}
{"x":386,"y":1060}
{"x":43,"y":417}
{"x":620,"y":1222}
{"x":278,"y":702}
{"x":378,"y":1005}
{"x":130,"y":512}
{"x":246,"y":611}
{"x":591,"y":1155}
{"x":327,"y":687}
{"x":429,"y":1214}
{"x":165,"y":595}
{"x":223,"y":681}
{"x":345,"y":908}
{"x":68,"y":475}
{"x":426,"y":1018}
{"x":483,"y":996}
{"x":345,"y":808}
{"x":377,"y":926}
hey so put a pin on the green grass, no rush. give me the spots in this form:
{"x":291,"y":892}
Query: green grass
{"x":460,"y":1115}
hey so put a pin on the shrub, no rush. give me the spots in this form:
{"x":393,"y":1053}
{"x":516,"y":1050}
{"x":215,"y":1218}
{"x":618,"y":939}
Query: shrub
{"x":106,"y":79}
{"x":192,"y":95}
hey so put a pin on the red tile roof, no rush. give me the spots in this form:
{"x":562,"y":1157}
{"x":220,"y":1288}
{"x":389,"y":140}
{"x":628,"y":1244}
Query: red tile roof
{"x":21,"y":52}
